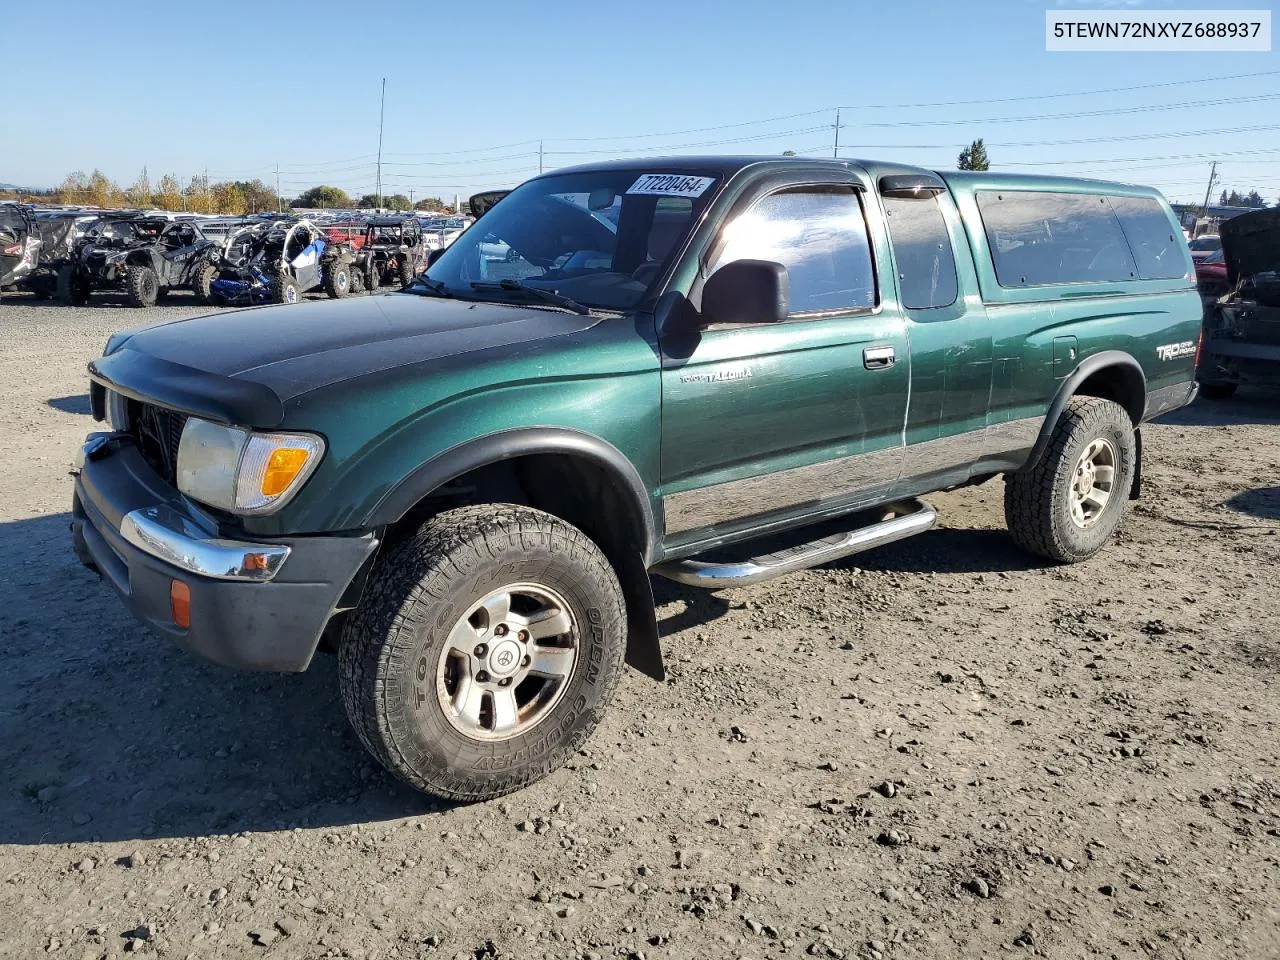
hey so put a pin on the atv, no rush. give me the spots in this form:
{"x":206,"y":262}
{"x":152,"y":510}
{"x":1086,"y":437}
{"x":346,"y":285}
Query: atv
{"x":393,"y":251}
{"x":277,"y":262}
{"x":143,"y":255}
{"x":19,"y":243}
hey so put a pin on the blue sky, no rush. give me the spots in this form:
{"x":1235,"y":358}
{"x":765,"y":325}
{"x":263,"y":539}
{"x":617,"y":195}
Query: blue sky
{"x":237,"y":87}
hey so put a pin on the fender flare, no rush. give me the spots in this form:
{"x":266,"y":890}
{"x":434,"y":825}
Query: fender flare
{"x":1087,"y":368}
{"x":644,"y":649}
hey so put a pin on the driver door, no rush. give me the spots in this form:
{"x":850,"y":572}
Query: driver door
{"x":764,"y":424}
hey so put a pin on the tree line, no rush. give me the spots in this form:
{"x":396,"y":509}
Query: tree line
{"x":200,"y":195}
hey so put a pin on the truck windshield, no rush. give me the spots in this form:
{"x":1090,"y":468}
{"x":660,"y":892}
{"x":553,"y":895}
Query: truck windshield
{"x":601,"y":238}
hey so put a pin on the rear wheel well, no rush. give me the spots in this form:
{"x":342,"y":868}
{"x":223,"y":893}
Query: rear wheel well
{"x":1119,"y":384}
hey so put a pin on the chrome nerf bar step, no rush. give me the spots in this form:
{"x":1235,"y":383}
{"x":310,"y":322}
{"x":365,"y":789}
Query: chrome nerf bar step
{"x":910,"y":517}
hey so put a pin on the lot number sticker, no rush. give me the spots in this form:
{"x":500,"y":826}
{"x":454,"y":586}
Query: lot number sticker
{"x":671,"y":185}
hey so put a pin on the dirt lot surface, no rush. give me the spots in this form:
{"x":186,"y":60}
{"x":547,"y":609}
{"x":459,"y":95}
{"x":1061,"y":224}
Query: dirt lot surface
{"x":939,"y":749}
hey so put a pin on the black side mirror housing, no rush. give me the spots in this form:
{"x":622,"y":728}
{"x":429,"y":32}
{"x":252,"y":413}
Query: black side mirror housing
{"x":746,"y":291}
{"x":435,"y":255}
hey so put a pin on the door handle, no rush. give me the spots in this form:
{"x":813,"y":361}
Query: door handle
{"x":877,"y":358}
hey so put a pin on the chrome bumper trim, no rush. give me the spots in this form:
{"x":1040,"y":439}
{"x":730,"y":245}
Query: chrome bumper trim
{"x":166,"y":535}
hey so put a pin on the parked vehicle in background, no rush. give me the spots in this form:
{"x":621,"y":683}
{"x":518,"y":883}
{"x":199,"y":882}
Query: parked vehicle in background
{"x":392,"y":251}
{"x":1242,"y":327}
{"x":19,"y":243}
{"x":60,"y":233}
{"x":438,"y":233}
{"x":465,"y":487}
{"x":1205,"y":246}
{"x":143,"y":255}
{"x":277,"y":262}
{"x":1211,"y":275}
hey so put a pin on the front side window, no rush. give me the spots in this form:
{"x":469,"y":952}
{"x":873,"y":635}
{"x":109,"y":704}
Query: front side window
{"x":820,"y":235}
{"x":922,"y":248}
{"x":602,"y":238}
{"x":1040,"y":238}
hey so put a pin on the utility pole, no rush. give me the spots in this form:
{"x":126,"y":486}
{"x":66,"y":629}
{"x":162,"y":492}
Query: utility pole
{"x":539,"y":158}
{"x":835,"y":151}
{"x":279,"y":202}
{"x":411,"y":198}
{"x":1213,"y":175}
{"x":382,"y":112}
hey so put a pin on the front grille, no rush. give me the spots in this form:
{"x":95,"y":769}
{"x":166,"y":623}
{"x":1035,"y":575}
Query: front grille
{"x":158,"y":432}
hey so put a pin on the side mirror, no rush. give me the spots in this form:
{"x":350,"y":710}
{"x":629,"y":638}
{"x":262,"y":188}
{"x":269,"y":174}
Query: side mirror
{"x":435,"y":255}
{"x":746,"y":291}
{"x":482,"y":203}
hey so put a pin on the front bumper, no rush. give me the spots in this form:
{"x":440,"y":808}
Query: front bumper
{"x":254,"y":606}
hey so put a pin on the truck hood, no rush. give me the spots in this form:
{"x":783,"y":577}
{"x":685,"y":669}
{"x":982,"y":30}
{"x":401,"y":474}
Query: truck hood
{"x":244,"y":366}
{"x":1251,"y":243}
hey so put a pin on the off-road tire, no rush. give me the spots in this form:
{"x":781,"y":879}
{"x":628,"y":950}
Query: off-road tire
{"x":73,"y":289}
{"x":1218,"y":391}
{"x":202,"y":283}
{"x":391,"y":645}
{"x":357,"y":279}
{"x":372,"y":277}
{"x":405,"y":268}
{"x":141,"y":286}
{"x":281,"y":287}
{"x":1037,"y":498}
{"x":337,"y":279}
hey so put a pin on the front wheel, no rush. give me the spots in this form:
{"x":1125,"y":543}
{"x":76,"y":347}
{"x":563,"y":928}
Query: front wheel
{"x":485,"y":651}
{"x":72,"y":287}
{"x":202,"y":283}
{"x":141,"y":286}
{"x":1072,"y":500}
{"x":284,"y":289}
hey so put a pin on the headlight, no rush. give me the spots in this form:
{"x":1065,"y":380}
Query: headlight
{"x":244,"y":472}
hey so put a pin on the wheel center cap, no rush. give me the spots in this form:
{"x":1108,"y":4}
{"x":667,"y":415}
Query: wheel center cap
{"x":504,"y":658}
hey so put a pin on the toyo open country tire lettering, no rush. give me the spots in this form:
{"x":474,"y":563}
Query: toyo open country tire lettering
{"x":1071,"y":501}
{"x":484,"y":652}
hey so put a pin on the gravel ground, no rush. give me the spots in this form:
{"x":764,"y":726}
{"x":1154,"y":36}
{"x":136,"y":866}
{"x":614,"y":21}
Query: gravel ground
{"x":940,"y":749}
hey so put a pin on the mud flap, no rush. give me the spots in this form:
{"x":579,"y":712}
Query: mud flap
{"x":644,"y":651}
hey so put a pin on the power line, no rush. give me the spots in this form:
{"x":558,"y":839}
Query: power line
{"x":1055,"y":96}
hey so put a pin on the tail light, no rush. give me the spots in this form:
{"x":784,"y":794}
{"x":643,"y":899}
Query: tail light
{"x":1199,"y":346}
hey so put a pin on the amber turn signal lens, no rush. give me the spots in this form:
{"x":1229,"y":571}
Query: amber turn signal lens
{"x":180,"y":603}
{"x":283,"y":465}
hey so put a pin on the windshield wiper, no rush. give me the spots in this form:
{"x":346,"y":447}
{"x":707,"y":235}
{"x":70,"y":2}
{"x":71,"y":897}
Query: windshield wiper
{"x":546,"y":296}
{"x":435,"y":288}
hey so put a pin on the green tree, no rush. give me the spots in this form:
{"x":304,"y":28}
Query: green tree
{"x":199,"y":199}
{"x":974,"y":157}
{"x":397,"y":201}
{"x":75,"y":188}
{"x":103,"y":192}
{"x":367,"y":202}
{"x":168,"y":195}
{"x":432,"y":204}
{"x":788,"y":153}
{"x":323,"y":196}
{"x":139,"y":195}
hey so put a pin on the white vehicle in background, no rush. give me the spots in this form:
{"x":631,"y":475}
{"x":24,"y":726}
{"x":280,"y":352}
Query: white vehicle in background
{"x":439,"y":232}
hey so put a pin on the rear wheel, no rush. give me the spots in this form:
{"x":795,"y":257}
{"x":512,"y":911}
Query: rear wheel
{"x":1070,"y":502}
{"x":284,"y":289}
{"x":73,"y":288}
{"x":372,"y":276}
{"x":141,"y":286}
{"x":202,"y":282}
{"x":337,"y":279}
{"x":485,"y":651}
{"x":357,"y":280}
{"x":406,"y":271}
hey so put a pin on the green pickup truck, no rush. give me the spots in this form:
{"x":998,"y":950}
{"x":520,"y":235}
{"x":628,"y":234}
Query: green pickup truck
{"x":625,"y":369}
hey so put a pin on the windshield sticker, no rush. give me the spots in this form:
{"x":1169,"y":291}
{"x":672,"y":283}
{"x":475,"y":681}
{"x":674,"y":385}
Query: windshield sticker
{"x":671,"y":185}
